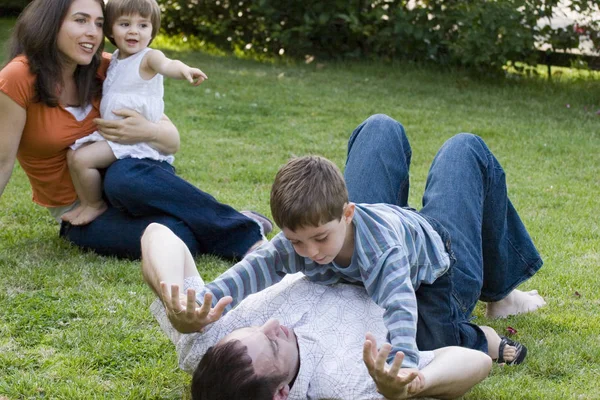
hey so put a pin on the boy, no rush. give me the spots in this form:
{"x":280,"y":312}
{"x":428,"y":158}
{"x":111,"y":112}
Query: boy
{"x":403,"y":259}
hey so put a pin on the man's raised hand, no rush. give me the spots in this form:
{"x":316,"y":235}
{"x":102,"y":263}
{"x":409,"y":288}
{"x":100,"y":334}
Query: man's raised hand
{"x":392,"y":382}
{"x":184,"y":312}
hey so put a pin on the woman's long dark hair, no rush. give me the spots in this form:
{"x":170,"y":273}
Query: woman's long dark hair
{"x":35,"y":36}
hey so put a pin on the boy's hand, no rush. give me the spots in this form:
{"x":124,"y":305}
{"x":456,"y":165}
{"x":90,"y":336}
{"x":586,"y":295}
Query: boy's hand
{"x":393,"y":382}
{"x":185,"y":314}
{"x":194,"y":75}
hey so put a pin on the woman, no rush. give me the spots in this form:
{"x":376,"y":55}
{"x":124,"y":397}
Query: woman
{"x":49,"y":97}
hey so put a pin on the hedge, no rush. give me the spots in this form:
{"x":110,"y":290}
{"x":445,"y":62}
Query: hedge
{"x":476,"y":34}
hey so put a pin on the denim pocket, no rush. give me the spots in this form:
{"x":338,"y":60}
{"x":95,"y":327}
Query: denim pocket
{"x":443,"y":232}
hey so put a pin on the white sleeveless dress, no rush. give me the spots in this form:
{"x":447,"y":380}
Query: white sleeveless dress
{"x":125,"y":88}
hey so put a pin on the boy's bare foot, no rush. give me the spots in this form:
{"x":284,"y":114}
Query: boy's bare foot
{"x":71,"y":215}
{"x":517,"y":302}
{"x":88,"y":214}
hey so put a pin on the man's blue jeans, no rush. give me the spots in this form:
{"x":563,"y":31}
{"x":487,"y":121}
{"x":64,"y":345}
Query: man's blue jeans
{"x":140,"y":192}
{"x":466,"y":193}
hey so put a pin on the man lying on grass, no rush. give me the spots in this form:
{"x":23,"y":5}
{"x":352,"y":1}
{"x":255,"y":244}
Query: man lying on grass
{"x":318,"y":350}
{"x":426,"y":269}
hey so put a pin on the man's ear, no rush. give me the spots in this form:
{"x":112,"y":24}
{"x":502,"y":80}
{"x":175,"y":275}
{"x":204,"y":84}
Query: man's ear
{"x":349,"y":212}
{"x":282,"y":392}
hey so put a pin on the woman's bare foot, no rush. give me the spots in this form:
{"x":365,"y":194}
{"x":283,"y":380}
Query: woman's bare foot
{"x":517,"y":302}
{"x":71,"y":215}
{"x":89,"y":213}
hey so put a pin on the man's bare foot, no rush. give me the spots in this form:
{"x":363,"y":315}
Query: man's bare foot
{"x":503,"y":349}
{"x":509,"y":353}
{"x":517,"y":302}
{"x":71,"y":215}
{"x":88,"y":214}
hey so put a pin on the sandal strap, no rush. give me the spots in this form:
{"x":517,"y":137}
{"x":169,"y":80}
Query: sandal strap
{"x":520,"y":352}
{"x":503,"y":342}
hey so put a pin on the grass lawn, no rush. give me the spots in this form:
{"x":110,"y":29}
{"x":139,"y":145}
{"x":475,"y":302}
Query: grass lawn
{"x":75,"y":325}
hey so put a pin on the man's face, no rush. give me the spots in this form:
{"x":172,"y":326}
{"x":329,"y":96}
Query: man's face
{"x":322,"y":243}
{"x":272,"y":347}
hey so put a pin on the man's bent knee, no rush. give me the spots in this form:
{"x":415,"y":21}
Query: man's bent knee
{"x":463,"y":141}
{"x":382,"y":121}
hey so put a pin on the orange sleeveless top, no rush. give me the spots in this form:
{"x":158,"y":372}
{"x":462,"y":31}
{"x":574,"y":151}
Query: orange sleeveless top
{"x":47,"y":135}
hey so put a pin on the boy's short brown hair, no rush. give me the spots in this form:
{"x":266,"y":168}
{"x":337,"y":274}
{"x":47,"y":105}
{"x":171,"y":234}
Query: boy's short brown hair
{"x":308,"y":191}
{"x":117,"y":8}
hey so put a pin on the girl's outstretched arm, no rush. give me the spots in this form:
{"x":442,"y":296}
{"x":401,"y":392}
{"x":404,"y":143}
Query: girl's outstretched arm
{"x":156,"y":62}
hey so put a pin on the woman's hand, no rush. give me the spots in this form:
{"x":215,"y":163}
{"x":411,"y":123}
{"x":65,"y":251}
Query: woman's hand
{"x":134,"y":128}
{"x":185,"y":314}
{"x":393,"y":382}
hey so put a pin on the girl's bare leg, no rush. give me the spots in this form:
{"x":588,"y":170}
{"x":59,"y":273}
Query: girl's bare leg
{"x":83,"y":166}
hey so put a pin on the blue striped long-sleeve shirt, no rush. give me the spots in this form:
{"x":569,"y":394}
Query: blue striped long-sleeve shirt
{"x":395,"y":250}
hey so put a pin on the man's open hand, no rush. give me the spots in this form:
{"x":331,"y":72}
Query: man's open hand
{"x":184,"y":312}
{"x":392,"y":382}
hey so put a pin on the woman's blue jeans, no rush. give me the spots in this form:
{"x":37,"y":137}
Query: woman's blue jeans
{"x":140,"y":192}
{"x":466,"y":193}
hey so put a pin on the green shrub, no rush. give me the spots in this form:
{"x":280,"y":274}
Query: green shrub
{"x":477,"y":34}
{"x":473,"y":33}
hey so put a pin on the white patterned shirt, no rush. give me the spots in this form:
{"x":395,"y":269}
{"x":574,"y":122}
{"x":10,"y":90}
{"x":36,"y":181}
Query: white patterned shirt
{"x":330,"y":324}
{"x":395,"y":250}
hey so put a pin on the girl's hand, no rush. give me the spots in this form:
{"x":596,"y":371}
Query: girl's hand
{"x":194,"y":76}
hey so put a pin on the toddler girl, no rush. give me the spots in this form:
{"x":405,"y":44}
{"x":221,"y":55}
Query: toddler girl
{"x":134,"y":81}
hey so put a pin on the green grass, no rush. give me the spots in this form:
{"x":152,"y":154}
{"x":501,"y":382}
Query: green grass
{"x":74,"y":325}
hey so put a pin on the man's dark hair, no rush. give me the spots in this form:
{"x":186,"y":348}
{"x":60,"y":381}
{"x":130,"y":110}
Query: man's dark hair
{"x":226,"y":373}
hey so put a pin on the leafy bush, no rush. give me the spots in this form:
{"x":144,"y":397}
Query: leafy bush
{"x":472,"y":33}
{"x":477,"y":34}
